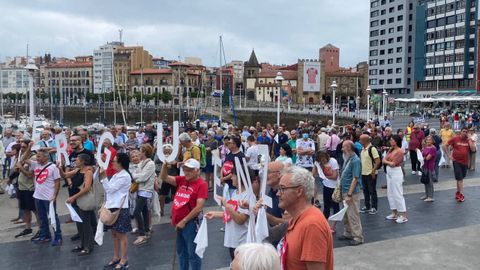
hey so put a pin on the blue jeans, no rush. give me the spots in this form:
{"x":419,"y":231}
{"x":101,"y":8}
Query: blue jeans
{"x":186,"y":247}
{"x":42,"y":209}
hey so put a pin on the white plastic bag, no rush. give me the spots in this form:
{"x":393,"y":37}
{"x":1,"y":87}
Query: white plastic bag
{"x":339,"y":216}
{"x":420,"y":158}
{"x":261,"y":228}
{"x":201,"y":239}
{"x":73,"y":214}
{"x":442,"y":159}
{"x":51,"y":215}
{"x":156,"y":208}
{"x":99,"y":234}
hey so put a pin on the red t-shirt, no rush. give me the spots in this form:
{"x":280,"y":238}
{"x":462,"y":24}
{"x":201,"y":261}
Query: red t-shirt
{"x":461,"y":149}
{"x":186,"y":197}
{"x":110,"y":170}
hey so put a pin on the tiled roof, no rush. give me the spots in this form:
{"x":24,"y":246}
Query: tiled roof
{"x":70,"y":65}
{"x":151,"y":71}
{"x":287,"y":74}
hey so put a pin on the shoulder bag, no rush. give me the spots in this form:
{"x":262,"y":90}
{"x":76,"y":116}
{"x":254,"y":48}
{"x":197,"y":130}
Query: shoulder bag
{"x":108,"y":217}
{"x":337,"y":193}
{"x":87,"y":202}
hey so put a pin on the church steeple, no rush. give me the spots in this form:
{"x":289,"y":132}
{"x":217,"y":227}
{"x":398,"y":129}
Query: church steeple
{"x":253,"y":61}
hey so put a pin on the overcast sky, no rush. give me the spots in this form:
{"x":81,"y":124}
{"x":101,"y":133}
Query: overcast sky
{"x":281,"y":31}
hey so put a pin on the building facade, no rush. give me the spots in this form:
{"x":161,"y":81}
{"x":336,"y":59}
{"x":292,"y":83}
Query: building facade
{"x":267,"y":90}
{"x":251,"y":68}
{"x":392,"y":46}
{"x":446,"y":51}
{"x":330,"y":55}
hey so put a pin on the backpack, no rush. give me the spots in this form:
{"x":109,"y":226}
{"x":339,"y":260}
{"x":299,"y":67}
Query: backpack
{"x":371,"y":157}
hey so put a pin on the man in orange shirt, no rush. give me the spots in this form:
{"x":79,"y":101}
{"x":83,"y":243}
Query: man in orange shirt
{"x":308,"y":242}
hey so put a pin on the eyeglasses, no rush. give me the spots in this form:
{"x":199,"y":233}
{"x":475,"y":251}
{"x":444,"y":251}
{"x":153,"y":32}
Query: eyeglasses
{"x":282,"y":189}
{"x":273,"y":171}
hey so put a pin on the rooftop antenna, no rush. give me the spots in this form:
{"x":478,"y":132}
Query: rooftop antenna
{"x":120,"y":32}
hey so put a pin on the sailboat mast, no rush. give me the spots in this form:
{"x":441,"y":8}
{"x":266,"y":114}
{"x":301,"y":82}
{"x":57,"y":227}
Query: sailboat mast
{"x":221,"y":82}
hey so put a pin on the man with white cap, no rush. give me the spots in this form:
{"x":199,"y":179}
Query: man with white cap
{"x":192,"y":192}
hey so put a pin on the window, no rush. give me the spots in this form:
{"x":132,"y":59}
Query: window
{"x":372,"y":81}
{"x":381,"y":82}
{"x":382,"y":32}
{"x":374,"y":4}
{"x":459,"y":57}
{"x":390,"y":51}
{"x":391,"y":20}
{"x":400,"y":18}
{"x":448,"y":70}
{"x":382,"y":42}
{"x":399,"y":39}
{"x":382,"y":52}
{"x":373,"y":62}
{"x":451,"y":19}
{"x":383,"y":22}
{"x":390,"y":71}
{"x":389,"y":81}
{"x":374,"y":23}
{"x":398,"y":70}
{"x":381,"y":62}
{"x":398,"y":80}
{"x":409,"y":38}
{"x":400,"y":7}
{"x":374,"y":14}
{"x":409,"y":49}
{"x":450,"y":7}
{"x":429,"y":72}
{"x":383,"y":12}
{"x":399,"y":60}
{"x":391,"y":10}
{"x":399,"y":49}
{"x":459,"y":70}
{"x":410,"y":28}
{"x":431,"y":24}
{"x":373,"y":52}
{"x":431,"y":11}
{"x":441,"y":22}
{"x":410,"y":6}
{"x":390,"y":40}
{"x":391,"y":30}
{"x":373,"y":43}
{"x":390,"y":61}
{"x":374,"y":33}
{"x":399,"y":28}
{"x":449,"y":45}
{"x":382,"y":71}
{"x":372,"y":72}
{"x":384,"y":2}
{"x":460,"y":17}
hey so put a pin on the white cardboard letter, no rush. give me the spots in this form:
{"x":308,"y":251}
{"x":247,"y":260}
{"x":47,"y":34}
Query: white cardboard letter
{"x":108,"y":154}
{"x":175,"y":143}
{"x":61,"y":142}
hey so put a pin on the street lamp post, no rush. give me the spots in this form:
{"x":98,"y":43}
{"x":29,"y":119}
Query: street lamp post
{"x":357,"y":106}
{"x":368,"y":102}
{"x":279,"y":80}
{"x":384,"y":95}
{"x":31,"y":67}
{"x":334,"y":88}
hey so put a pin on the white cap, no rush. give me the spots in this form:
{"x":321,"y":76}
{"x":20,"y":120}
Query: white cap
{"x":192,"y":163}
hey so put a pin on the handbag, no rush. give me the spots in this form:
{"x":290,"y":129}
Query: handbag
{"x":425,"y":178}
{"x":337,"y":193}
{"x":134,"y":186}
{"x":87,"y":202}
{"x":108,"y":217}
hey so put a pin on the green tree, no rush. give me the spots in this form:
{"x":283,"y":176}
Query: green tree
{"x":166,"y":96}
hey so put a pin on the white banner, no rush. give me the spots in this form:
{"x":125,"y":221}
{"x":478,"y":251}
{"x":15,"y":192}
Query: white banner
{"x":61,"y":143}
{"x":311,"y":76}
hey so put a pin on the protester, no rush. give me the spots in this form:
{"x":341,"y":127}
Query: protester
{"x":189,"y":149}
{"x":394,"y":160}
{"x":415,"y":143}
{"x":327,"y":169}
{"x":437,"y":141}
{"x":117,"y":189}
{"x":192,"y":192}
{"x":82,"y":182}
{"x":429,"y":153}
{"x":446,"y":133}
{"x":167,"y":191}
{"x":350,"y":185}
{"x":234,"y":217}
{"x":251,"y":155}
{"x":322,"y":139}
{"x":308,"y":242}
{"x":473,"y":153}
{"x":293,"y":145}
{"x":370,"y":159}
{"x":305,"y":151}
{"x":255,"y":256}
{"x":460,"y":146}
{"x":144,"y":176}
{"x":280,"y":139}
{"x":132,"y":142}
{"x":332,"y":143}
{"x":46,"y":142}
{"x":285,"y":155}
{"x":229,"y":164}
{"x":210,"y":145}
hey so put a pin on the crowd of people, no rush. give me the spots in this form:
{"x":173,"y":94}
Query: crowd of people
{"x":315,"y":169}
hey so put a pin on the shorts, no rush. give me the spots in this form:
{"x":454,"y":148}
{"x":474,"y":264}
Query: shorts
{"x":459,"y":170}
{"x":167,"y":189}
{"x":27,"y":202}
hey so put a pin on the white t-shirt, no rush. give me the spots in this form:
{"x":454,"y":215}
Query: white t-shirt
{"x":235,"y":234}
{"x":252,"y":154}
{"x":287,"y":161}
{"x":331,"y":166}
{"x":305,"y":161}
{"x":45,"y":180}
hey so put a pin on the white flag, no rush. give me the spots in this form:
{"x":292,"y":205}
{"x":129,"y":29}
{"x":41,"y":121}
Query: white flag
{"x":201,"y":239}
{"x":251,"y":229}
{"x":261,"y":228}
{"x":339,"y":216}
{"x":51,"y":215}
{"x":73,"y":214}
{"x":99,"y":234}
{"x":420,"y":157}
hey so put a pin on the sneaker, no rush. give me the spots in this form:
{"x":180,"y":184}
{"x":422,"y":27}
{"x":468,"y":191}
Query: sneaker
{"x":414,"y":172}
{"x":401,"y":219}
{"x":343,"y":238}
{"x":419,"y":173}
{"x":222,"y":229}
{"x":457,"y":196}
{"x":57,"y":242}
{"x":355,"y":243}
{"x":42,"y":240}
{"x":423,"y":197}
{"x":391,"y":217}
{"x":365,"y":209}
{"x":429,"y":200}
{"x":36,"y":236}
{"x":24,"y":233}
{"x":461,"y":197}
{"x":372,"y":211}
